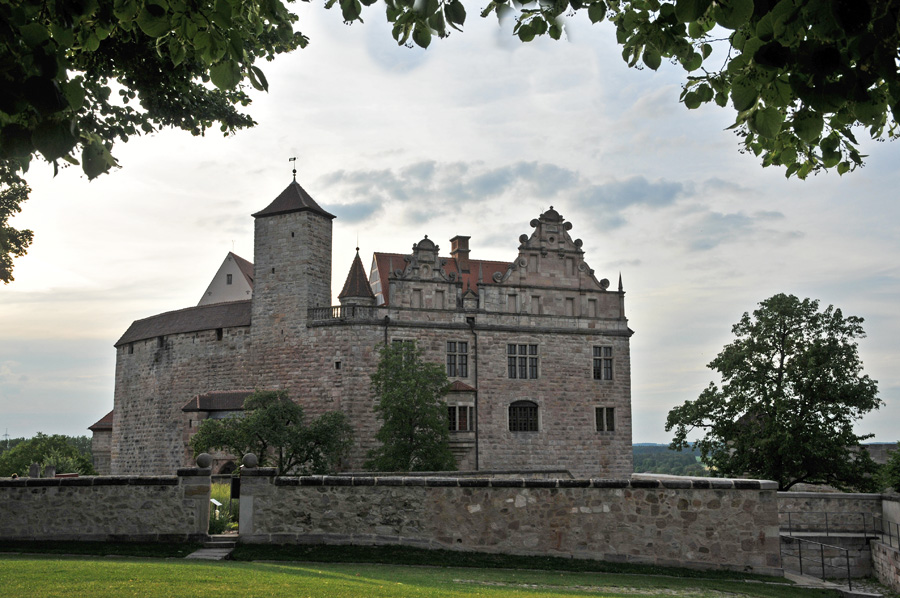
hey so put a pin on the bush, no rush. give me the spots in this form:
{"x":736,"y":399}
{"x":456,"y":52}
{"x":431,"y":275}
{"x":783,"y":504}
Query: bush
{"x":228,"y":513}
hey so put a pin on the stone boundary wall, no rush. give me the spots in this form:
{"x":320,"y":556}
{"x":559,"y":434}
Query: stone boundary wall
{"x":886,"y":563}
{"x":840,"y":512}
{"x":699,"y":523}
{"x":107,"y":508}
{"x":828,"y":548}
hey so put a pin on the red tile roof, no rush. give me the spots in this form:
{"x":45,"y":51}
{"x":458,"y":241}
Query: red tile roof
{"x":103,"y":424}
{"x":482,"y":270}
{"x":357,"y":284}
{"x":218,"y":400}
{"x":244,"y":266}
{"x":191,"y":319}
{"x":293,"y":199}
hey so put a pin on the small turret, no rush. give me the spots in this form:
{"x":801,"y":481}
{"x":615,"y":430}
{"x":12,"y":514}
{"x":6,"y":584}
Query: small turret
{"x":357,"y":290}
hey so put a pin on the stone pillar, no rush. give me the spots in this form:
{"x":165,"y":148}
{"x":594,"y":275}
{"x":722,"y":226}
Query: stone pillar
{"x":34,"y":470}
{"x":194,"y":483}
{"x":256,"y":483}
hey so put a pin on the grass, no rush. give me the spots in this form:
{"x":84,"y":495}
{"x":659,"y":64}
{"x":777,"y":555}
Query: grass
{"x":404,"y":555}
{"x":29,"y":576}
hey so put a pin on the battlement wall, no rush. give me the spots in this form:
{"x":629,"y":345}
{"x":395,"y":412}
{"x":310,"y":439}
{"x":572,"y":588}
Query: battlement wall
{"x":155,"y":378}
{"x":707,"y":524}
{"x":107,"y":508}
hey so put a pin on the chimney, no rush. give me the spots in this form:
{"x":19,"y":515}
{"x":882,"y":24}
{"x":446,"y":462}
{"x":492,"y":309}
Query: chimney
{"x":459,"y":250}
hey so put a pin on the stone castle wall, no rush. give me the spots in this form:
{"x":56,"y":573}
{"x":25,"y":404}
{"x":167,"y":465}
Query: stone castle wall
{"x":689,"y":523}
{"x":886,"y":564}
{"x":122,"y":508}
{"x":154,"y":380}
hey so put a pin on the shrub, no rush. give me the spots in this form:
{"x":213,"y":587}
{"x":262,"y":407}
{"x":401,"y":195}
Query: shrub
{"x":228,"y":512}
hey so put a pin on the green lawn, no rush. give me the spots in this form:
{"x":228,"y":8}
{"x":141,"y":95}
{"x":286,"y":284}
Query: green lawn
{"x":73,"y":577}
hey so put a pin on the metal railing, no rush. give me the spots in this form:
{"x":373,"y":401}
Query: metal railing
{"x":814,"y":555}
{"x":840,"y":522}
{"x":891,"y":529}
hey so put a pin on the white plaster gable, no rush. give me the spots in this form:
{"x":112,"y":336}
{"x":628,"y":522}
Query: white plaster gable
{"x":231,"y":283}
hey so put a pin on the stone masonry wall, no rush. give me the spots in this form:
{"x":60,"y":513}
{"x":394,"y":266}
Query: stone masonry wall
{"x":836,"y":512}
{"x":886,"y":563}
{"x":154,"y":380}
{"x":129,"y":509}
{"x":565,"y":391}
{"x":707,"y":524}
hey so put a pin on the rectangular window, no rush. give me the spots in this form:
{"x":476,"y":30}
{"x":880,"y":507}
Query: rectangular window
{"x":219,"y":334}
{"x":416,"y":301}
{"x":461,"y":418}
{"x":407,"y":346}
{"x":605,"y":418}
{"x":522,"y":361}
{"x":592,"y":308}
{"x":458,"y":359}
{"x":228,"y":279}
{"x":603,"y":363}
{"x":570,"y":266}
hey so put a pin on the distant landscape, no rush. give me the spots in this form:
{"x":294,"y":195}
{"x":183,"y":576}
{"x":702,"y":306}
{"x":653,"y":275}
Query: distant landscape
{"x":657,"y":458}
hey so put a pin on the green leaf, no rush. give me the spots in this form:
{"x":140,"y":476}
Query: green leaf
{"x":456,"y":12}
{"x":768,"y":121}
{"x":743,"y":94}
{"x":808,"y":125}
{"x":351,"y":9}
{"x":225,"y":74}
{"x":651,"y":58}
{"x":153,"y":20}
{"x":690,"y":10}
{"x":733,"y":14}
{"x":96,"y":159}
{"x":693,"y":63}
{"x":54,"y":139}
{"x":34,"y":34}
{"x":526,"y":33}
{"x":597,"y":11}
{"x":125,"y":10}
{"x":421,"y":35}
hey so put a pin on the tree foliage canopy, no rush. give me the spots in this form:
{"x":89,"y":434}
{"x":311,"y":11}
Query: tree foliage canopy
{"x":800,"y":74}
{"x":792,"y":388}
{"x":66,"y":453}
{"x":78,"y":76}
{"x":890,"y":473}
{"x":273,"y":428}
{"x":414,"y":434}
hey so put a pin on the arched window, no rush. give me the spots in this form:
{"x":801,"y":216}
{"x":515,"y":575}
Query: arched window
{"x":523,"y":417}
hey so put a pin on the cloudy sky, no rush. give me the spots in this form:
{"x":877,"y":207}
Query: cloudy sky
{"x":475,"y":136}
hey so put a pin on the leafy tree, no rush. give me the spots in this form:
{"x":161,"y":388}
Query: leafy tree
{"x":890,"y":472}
{"x":414,"y":434}
{"x":798,"y":73}
{"x":61,"y":451}
{"x":62,"y":61}
{"x":273,"y":428}
{"x":792,"y":388}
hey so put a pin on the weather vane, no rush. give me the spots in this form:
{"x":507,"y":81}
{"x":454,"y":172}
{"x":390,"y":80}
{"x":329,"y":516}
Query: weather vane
{"x":294,"y":160}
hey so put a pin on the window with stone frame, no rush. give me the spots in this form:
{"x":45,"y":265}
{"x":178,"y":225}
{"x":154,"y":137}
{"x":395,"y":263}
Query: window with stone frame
{"x":605,"y":418}
{"x":522,"y":361}
{"x":407,"y":346}
{"x":523,"y":416}
{"x":461,"y":418}
{"x":457,"y":359}
{"x":603,"y":363}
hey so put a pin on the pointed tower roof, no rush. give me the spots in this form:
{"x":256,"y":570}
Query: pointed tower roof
{"x":293,"y":199}
{"x":357,"y":284}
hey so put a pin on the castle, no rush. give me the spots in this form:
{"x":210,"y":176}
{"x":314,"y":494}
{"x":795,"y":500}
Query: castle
{"x":536,"y":349}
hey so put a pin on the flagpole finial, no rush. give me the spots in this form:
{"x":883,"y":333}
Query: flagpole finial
{"x":294,"y":171}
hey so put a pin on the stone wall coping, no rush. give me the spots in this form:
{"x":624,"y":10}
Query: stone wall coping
{"x":193,"y":471}
{"x":258,"y":471}
{"x":466,"y":482}
{"x":833,"y":495}
{"x":90,"y":481}
{"x":482,"y":473}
